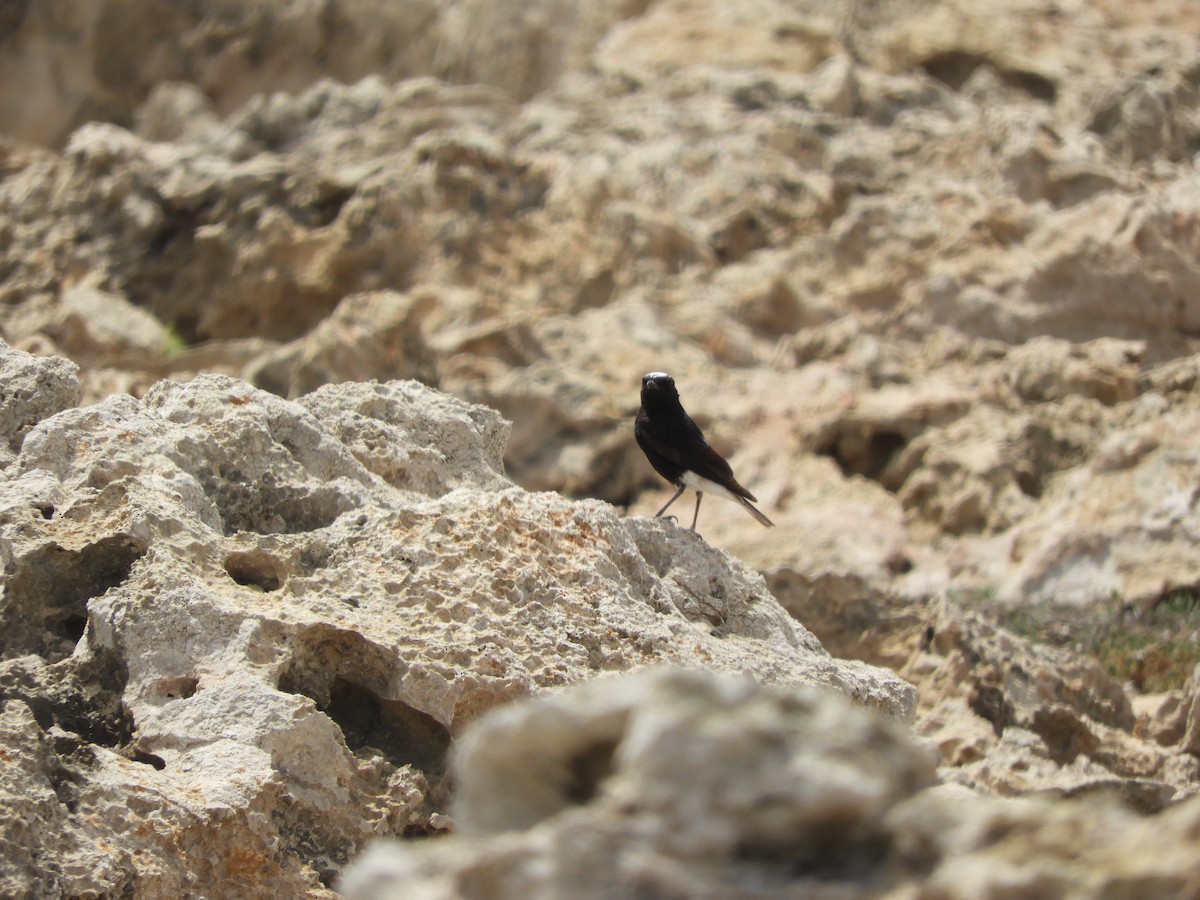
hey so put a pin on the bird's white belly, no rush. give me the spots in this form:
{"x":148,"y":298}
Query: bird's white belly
{"x":703,"y":485}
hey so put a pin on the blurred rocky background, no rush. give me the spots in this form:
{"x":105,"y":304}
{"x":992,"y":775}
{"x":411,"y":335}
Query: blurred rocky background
{"x":925,"y":271}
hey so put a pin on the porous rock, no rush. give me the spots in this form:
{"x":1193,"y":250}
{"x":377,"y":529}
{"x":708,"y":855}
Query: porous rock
{"x":34,"y":388}
{"x":96,"y":324}
{"x":808,"y":217}
{"x":665,"y":783}
{"x":925,"y":272}
{"x":368,"y":334}
{"x":690,"y":784}
{"x":317,"y":596}
{"x":236,"y":52}
{"x":1012,"y":716}
{"x":1122,"y":524}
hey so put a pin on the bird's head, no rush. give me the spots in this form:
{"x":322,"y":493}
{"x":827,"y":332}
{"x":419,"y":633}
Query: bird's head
{"x":658,"y":390}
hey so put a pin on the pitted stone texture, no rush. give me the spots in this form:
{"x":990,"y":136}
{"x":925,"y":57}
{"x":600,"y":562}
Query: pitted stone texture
{"x":687,"y":784}
{"x":322,"y":595}
{"x":666,"y":783}
{"x":33,"y":388}
{"x":413,"y":437}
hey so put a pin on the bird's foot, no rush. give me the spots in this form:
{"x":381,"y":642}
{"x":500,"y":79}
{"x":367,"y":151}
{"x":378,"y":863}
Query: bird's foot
{"x":671,"y":519}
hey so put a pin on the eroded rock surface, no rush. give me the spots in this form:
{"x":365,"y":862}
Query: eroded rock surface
{"x":268,"y":620}
{"x":924,"y":276}
{"x":925,"y":272}
{"x":689,"y":784}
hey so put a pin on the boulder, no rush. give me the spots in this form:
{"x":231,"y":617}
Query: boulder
{"x":316,"y":596}
{"x":673,"y":783}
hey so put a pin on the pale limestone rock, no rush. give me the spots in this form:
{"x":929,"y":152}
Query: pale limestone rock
{"x":677,"y":34}
{"x":52,"y":86}
{"x":96,"y":323}
{"x":1190,"y":741}
{"x":984,"y":471}
{"x":755,"y":216}
{"x":667,"y":782}
{"x":84,"y":806}
{"x":1161,"y":717}
{"x":318,"y":596}
{"x":1046,"y":370}
{"x":1122,"y":524}
{"x":1011,"y":716}
{"x":365,"y":336}
{"x":1083,"y":849}
{"x":682,"y":784}
{"x":413,"y":437}
{"x":927,"y":271}
{"x":1056,"y":281}
{"x":34,"y":388}
{"x":835,"y":86}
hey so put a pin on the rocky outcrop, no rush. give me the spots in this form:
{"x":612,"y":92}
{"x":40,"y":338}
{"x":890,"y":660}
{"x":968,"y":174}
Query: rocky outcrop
{"x":1010,"y":716}
{"x":925,"y":273}
{"x":33,"y":389}
{"x":964,"y":358}
{"x":233,"y":53}
{"x":686,"y":784}
{"x":267,"y":621}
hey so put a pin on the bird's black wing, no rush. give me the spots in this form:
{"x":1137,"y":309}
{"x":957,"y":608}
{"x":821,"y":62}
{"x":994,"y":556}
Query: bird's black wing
{"x":653,"y":440}
{"x":683,"y":444}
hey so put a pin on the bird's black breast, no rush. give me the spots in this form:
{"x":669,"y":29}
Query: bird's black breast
{"x":656,"y":444}
{"x":674,"y":444}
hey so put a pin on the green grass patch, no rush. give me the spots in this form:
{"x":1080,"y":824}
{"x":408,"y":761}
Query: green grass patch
{"x":1154,"y":649}
{"x":175,"y":343}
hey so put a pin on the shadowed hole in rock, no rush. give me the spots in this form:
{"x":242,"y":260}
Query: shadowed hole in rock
{"x":66,"y":773}
{"x":866,"y":454}
{"x":11,"y":17}
{"x":80,"y":695}
{"x":832,"y":850}
{"x":255,"y":568}
{"x":954,"y":68}
{"x":185,"y":324}
{"x":178,"y":688}
{"x":44,"y":608}
{"x":989,"y":703}
{"x":588,"y":769}
{"x":404,"y":736}
{"x":1065,"y":733}
{"x":1146,"y":798}
{"x":345,"y":675}
{"x":1029,"y":482}
{"x":325,"y":209}
{"x":263,"y":507}
{"x":319,"y":841}
{"x":740,"y":237}
{"x":177,"y":229}
{"x":1037,"y":86}
{"x":148,"y":759}
{"x":73,"y":627}
{"x":595,"y":291}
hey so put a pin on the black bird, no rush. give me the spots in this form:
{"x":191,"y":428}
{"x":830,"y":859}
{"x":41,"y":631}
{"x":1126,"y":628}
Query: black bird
{"x":678,"y":451}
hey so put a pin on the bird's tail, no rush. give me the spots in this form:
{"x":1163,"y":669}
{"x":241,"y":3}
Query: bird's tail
{"x":750,"y":508}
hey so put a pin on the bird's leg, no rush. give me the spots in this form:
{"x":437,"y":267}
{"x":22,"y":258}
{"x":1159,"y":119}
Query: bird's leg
{"x":669,"y":502}
{"x":696,"y":516}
